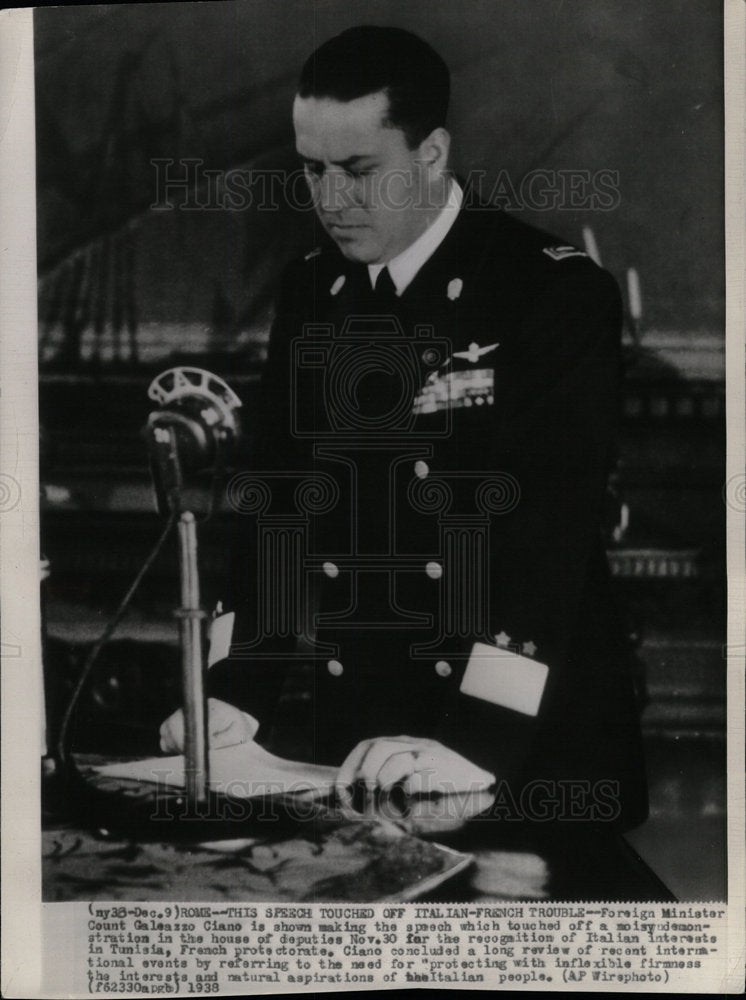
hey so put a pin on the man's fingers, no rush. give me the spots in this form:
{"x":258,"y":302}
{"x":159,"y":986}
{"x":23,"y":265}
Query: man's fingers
{"x":426,"y":781}
{"x":379,"y":764}
{"x":421,"y":767}
{"x":398,"y":767}
{"x":166,"y":740}
{"x":226,"y":723}
{"x":220,"y":724}
{"x":446,"y":774}
{"x":378,"y":754}
{"x":348,"y":771}
{"x":346,"y":777}
{"x":226,"y":726}
{"x":229,"y":732}
{"x":172,"y":733}
{"x":366,"y":760}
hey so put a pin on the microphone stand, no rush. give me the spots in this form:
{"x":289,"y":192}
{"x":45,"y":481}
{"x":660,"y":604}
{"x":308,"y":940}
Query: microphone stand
{"x":191,"y":617}
{"x":168,"y":475}
{"x":198,"y":411}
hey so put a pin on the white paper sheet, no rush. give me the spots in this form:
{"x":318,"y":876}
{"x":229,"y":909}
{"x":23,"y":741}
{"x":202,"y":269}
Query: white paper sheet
{"x":243,"y":771}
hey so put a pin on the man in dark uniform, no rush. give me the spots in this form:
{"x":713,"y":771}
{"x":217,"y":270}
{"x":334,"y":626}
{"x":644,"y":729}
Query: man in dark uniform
{"x":438,"y":422}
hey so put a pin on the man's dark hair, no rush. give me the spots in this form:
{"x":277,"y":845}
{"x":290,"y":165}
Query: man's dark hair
{"x":369,"y":59}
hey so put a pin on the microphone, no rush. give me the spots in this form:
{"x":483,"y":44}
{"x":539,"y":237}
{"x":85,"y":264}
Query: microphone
{"x":190,"y":432}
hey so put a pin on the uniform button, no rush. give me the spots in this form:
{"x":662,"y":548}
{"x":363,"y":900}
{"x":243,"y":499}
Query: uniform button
{"x":331,"y":569}
{"x":434,"y":570}
{"x":421,"y":469}
{"x":443,"y":669}
{"x":335,"y":668}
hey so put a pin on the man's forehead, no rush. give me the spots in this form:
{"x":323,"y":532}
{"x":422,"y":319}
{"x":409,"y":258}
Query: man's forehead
{"x":325,"y":127}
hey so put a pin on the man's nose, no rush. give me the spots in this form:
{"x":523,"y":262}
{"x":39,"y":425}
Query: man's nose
{"x":334,"y":191}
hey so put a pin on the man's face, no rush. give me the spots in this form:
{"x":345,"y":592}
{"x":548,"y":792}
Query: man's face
{"x":370,"y":189}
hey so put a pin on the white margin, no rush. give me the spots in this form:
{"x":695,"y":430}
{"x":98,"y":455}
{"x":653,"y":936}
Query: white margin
{"x":735,"y":325}
{"x":21,"y":691}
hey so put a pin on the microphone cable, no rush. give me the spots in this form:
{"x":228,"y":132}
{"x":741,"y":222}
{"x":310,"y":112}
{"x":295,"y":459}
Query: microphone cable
{"x":64,"y":739}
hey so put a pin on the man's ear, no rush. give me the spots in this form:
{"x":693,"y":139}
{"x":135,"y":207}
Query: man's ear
{"x":433,"y":151}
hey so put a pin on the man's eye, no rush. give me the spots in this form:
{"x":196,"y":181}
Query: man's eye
{"x":357,"y":174}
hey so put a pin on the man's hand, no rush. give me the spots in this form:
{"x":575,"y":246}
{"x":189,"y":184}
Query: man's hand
{"x":418,"y":766}
{"x":227,"y":726}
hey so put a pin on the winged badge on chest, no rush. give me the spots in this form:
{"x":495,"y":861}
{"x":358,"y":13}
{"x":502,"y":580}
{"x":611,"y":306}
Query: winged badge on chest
{"x":460,"y":383}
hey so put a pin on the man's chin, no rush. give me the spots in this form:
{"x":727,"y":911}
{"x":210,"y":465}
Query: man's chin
{"x":360,"y":251}
{"x":358,"y":255}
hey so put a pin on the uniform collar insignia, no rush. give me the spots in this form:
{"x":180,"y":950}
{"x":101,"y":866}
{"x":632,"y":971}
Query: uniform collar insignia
{"x":336,"y":287}
{"x":312,"y":253}
{"x":562,"y":253}
{"x":454,"y":289}
{"x":475,"y":352}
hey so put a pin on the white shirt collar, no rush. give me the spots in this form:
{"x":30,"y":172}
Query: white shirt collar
{"x":405,"y":265}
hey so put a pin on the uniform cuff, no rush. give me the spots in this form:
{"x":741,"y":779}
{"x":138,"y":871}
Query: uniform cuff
{"x":505,"y":678}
